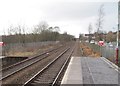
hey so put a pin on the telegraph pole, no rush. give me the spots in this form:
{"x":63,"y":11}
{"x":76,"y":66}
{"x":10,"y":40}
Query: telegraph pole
{"x":117,"y":49}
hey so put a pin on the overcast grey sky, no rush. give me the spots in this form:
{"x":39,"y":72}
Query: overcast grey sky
{"x":72,"y":16}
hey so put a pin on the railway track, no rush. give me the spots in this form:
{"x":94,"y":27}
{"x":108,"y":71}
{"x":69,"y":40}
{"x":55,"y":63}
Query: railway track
{"x":14,"y":73}
{"x":6,"y":72}
{"x":50,"y":74}
{"x":31,"y":58}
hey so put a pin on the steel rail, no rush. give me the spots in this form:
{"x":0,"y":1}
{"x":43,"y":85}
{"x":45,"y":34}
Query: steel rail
{"x":41,"y":71}
{"x":54,"y":83}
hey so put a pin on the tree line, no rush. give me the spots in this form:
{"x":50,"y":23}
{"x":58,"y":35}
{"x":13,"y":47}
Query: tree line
{"x":107,"y":37}
{"x":41,"y":32}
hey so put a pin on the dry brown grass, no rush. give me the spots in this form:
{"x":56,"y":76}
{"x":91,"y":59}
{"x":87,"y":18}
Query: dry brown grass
{"x":89,"y":52}
{"x":26,"y":52}
{"x":22,"y":54}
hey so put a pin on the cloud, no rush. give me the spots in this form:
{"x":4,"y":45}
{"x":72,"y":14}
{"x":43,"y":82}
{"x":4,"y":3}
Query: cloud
{"x":70,"y":10}
{"x":73,"y":16}
{"x":75,"y":27}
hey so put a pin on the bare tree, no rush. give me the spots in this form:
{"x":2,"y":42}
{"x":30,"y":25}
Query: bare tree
{"x":90,"y":30}
{"x":110,"y":37}
{"x":42,"y":26}
{"x":38,"y":31}
{"x":99,"y":23}
{"x":81,"y":37}
{"x":56,"y":29}
{"x":11,"y":30}
{"x":23,"y":36}
{"x":100,"y":19}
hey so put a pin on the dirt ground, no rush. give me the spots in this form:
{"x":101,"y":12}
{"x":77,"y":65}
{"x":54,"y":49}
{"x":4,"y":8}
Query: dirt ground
{"x":77,"y":52}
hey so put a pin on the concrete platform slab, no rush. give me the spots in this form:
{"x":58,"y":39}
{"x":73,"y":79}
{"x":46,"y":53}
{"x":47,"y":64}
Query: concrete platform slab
{"x":73,"y":74}
{"x":99,"y":71}
{"x":89,"y":70}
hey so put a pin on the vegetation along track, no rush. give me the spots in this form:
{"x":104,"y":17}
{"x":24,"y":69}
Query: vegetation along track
{"x":51,"y":73}
{"x":21,"y":75}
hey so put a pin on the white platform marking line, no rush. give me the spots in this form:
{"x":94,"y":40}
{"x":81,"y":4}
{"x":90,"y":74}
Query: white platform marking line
{"x":111,"y":64}
{"x":81,"y":71}
{"x":67,"y":77}
{"x":64,"y":80}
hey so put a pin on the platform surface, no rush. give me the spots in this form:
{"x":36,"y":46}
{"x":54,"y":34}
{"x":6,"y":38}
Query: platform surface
{"x":73,"y":74}
{"x":89,"y":70}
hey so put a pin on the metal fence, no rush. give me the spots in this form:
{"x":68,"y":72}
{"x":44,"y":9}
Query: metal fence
{"x":22,"y":47}
{"x":108,"y":50}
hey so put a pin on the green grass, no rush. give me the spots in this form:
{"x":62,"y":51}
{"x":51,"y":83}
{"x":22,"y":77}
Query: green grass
{"x":94,"y":47}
